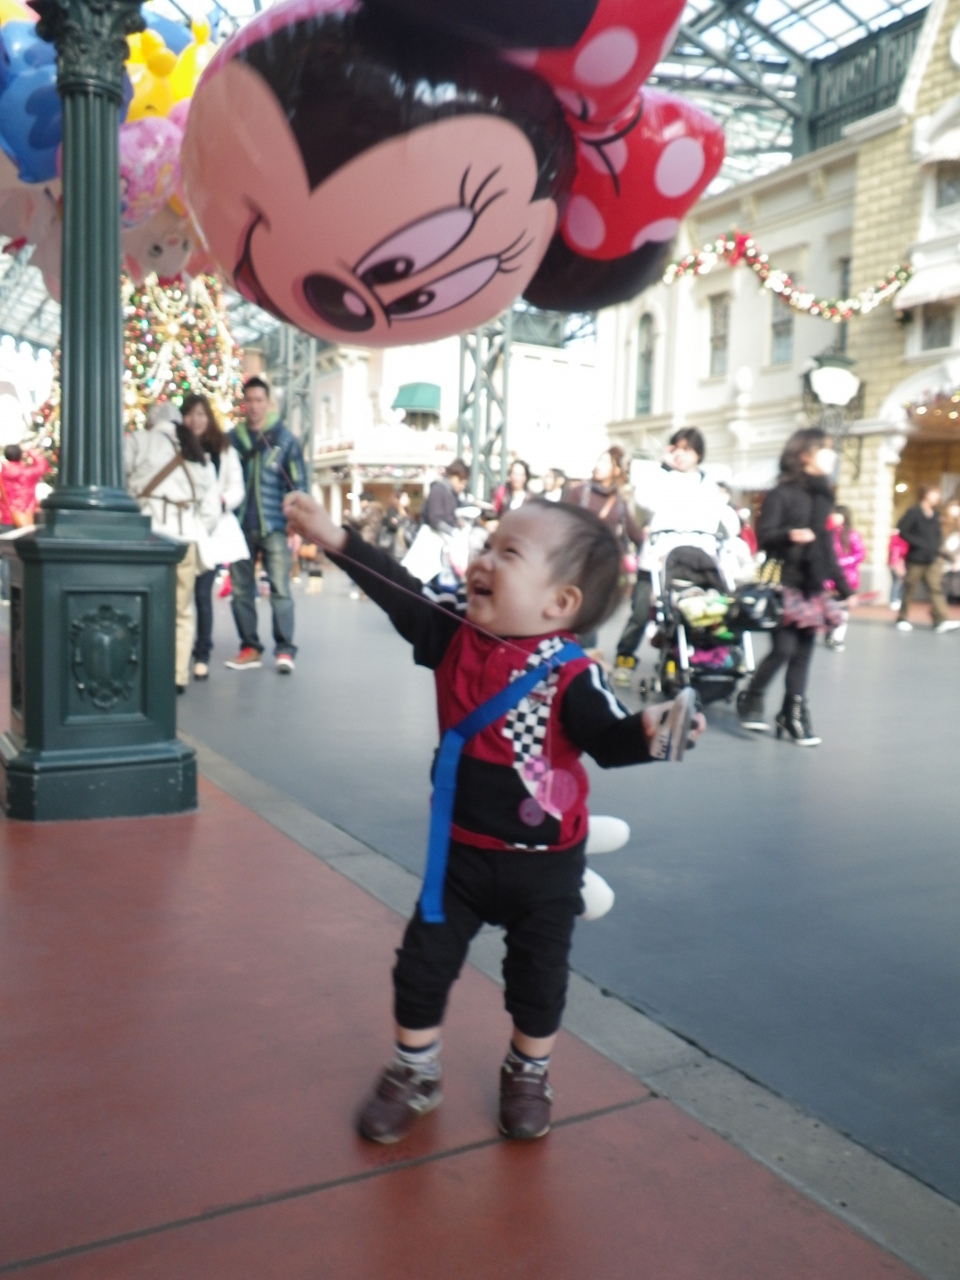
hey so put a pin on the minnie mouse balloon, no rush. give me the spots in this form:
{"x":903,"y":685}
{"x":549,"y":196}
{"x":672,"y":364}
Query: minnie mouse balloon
{"x":361,"y":174}
{"x":149,"y":161}
{"x":363,"y":181}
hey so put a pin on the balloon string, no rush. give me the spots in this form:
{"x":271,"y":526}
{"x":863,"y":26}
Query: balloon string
{"x":433,"y":604}
{"x":416,"y":595}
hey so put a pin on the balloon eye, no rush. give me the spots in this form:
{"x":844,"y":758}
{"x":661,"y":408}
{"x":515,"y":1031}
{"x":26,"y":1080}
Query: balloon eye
{"x":388,"y":272}
{"x":410,"y":303}
{"x":155,"y":250}
{"x":337,"y":303}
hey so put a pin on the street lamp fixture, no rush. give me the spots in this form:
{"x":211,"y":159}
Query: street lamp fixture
{"x":833,"y":394}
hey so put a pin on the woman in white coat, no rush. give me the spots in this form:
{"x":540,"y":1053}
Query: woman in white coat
{"x":169,"y":474}
{"x":227,"y":543}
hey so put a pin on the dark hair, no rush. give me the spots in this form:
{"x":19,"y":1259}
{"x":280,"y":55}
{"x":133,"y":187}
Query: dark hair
{"x":588,"y":558}
{"x":13,"y":453}
{"x":924,"y":489}
{"x":692,"y":437}
{"x":348,"y":81}
{"x":846,"y":528}
{"x":458,"y":468}
{"x":256,"y":381}
{"x":190,"y":445}
{"x":806,"y":440}
{"x":213,"y":438}
{"x":518,"y":462}
{"x":556,"y":471}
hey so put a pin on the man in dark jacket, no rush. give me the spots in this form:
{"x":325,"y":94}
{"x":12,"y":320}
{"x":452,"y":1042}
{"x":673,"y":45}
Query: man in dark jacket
{"x":272,"y":466}
{"x":919,"y":527}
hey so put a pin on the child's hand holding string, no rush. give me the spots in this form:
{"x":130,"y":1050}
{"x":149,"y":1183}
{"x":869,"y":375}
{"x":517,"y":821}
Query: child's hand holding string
{"x":310,"y":521}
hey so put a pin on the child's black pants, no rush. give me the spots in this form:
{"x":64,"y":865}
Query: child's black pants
{"x":534,"y":896}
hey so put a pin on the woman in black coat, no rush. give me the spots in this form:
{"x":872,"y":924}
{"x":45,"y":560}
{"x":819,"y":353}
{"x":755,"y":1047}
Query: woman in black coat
{"x":792,"y":530}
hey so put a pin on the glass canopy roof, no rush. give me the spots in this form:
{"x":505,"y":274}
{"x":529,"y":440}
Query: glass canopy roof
{"x":747,"y":62}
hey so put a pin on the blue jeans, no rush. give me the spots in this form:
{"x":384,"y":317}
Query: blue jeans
{"x":243,"y":581}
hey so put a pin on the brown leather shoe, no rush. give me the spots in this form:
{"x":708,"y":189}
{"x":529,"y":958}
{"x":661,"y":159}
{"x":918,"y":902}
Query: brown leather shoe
{"x":525,"y":1098}
{"x":400,"y":1098}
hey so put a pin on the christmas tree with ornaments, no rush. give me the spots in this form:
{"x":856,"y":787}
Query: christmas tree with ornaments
{"x":176,"y":343}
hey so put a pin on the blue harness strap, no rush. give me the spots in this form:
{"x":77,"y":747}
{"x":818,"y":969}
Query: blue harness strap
{"x":445,"y":773}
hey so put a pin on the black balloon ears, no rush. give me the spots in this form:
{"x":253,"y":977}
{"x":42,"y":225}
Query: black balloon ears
{"x":566,"y":281}
{"x":507,"y":24}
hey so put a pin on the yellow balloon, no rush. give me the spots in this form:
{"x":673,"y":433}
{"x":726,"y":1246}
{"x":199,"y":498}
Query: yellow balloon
{"x":152,"y":94}
{"x":10,"y":11}
{"x":192,"y":62}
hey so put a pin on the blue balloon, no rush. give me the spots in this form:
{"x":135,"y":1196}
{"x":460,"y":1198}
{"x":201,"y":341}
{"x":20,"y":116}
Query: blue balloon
{"x":31,"y":124}
{"x":21,"y":50}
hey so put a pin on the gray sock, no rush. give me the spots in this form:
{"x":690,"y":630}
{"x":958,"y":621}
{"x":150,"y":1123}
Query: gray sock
{"x":534,"y":1066}
{"x":425,"y":1061}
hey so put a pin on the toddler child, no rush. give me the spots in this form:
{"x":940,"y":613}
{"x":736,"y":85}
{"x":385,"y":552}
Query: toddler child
{"x":515,"y":826}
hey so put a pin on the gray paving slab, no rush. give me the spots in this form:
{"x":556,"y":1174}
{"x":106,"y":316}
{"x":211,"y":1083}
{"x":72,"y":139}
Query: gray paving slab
{"x":900,"y":1213}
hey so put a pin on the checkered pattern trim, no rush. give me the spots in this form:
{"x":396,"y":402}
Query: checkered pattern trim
{"x":527,"y":723}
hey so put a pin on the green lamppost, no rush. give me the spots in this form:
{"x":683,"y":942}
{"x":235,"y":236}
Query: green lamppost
{"x":93,"y":592}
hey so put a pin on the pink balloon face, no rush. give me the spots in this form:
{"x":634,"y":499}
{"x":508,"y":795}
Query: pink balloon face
{"x":149,"y":170}
{"x":419,"y":237}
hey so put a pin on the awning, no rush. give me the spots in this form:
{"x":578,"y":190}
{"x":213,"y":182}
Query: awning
{"x":946,"y":147}
{"x":418,"y":397}
{"x":758,"y":475}
{"x":929,"y":284}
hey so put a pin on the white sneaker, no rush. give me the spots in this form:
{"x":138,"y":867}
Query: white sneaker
{"x":944,"y":627}
{"x":284,"y":664}
{"x":904,"y":626}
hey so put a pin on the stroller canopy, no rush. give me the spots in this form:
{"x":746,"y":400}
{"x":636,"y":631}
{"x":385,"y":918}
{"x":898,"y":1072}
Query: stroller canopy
{"x":694,"y":566}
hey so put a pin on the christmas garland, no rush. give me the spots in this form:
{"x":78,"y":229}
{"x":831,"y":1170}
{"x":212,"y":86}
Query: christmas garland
{"x":737,"y":247}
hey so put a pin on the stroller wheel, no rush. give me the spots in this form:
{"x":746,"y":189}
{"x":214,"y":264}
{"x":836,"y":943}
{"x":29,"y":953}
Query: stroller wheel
{"x":642,"y":691}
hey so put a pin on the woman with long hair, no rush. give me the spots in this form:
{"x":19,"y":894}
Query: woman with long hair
{"x":793,"y":531}
{"x":227,"y":543}
{"x":168,"y":472}
{"x":516,"y":491}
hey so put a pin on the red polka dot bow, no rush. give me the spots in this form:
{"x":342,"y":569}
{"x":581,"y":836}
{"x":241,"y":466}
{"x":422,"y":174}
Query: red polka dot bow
{"x":644,"y":157}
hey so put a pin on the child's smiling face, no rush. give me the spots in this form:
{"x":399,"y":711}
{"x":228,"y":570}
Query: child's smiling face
{"x":511,"y":585}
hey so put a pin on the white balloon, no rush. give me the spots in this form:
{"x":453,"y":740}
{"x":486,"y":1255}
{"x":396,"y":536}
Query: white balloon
{"x":597,"y":896}
{"x":606,"y":834}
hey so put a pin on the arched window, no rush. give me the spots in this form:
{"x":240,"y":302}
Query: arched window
{"x":645,"y":352}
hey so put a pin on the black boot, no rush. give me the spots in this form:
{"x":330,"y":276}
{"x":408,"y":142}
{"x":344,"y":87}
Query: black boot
{"x":794,"y":721}
{"x":750,"y":711}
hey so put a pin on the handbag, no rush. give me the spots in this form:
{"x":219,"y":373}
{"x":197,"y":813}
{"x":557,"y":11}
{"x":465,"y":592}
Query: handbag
{"x":759,"y":604}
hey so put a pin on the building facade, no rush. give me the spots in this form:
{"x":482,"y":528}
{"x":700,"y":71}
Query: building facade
{"x":720,"y":352}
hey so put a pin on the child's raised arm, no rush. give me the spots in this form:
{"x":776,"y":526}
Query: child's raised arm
{"x":426,"y":625}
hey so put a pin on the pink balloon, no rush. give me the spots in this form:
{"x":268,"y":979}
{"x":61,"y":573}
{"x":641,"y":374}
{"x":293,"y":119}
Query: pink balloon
{"x":149,"y":167}
{"x":178,"y":113}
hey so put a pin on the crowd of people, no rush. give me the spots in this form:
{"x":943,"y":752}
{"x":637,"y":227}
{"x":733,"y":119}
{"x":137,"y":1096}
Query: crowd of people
{"x":221,"y":492}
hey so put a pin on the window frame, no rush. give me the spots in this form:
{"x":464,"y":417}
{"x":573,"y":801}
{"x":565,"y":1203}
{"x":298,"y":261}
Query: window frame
{"x":719,"y":341}
{"x":945,"y":309}
{"x":646,"y":357}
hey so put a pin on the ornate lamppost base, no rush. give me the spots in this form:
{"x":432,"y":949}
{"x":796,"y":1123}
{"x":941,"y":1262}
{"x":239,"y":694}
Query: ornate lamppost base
{"x":92,"y":694}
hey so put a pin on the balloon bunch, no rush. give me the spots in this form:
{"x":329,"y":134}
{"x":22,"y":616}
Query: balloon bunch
{"x":397,"y":171}
{"x":164,"y":66}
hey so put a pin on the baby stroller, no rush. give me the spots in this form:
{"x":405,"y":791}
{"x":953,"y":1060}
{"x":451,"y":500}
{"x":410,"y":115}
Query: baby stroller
{"x":701,"y":644}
